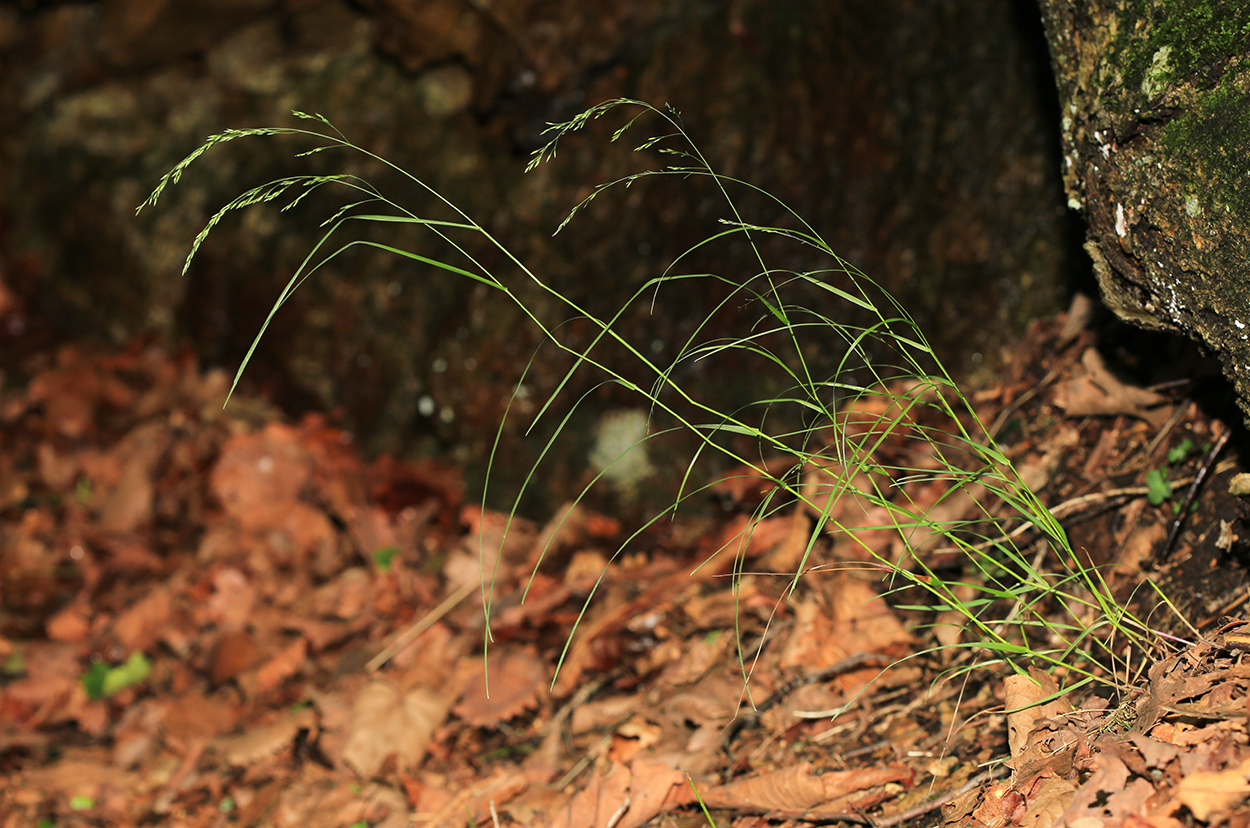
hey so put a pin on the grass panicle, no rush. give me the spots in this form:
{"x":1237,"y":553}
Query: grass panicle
{"x":1017,"y":605}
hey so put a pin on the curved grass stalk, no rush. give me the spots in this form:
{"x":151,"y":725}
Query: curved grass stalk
{"x":1022,"y":612}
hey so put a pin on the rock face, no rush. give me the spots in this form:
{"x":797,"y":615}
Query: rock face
{"x":1156,"y":128}
{"x":918,"y":137}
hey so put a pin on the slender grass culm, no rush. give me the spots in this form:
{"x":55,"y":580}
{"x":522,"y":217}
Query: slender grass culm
{"x":824,"y":443}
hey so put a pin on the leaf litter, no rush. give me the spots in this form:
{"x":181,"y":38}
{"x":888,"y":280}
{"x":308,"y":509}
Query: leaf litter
{"x":226,"y":618}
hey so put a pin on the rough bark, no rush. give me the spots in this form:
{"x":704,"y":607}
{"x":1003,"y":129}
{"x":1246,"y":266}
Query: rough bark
{"x":1155,"y":96}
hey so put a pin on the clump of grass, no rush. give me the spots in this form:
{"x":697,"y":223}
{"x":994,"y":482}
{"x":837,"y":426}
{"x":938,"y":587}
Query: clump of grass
{"x":825,"y":440}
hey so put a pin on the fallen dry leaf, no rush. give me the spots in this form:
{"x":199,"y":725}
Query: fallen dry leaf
{"x":517,"y":682}
{"x":259,"y":475}
{"x":444,"y":808}
{"x":128,"y":505}
{"x":230,"y":605}
{"x":862,"y":620}
{"x":1047,"y":802}
{"x":71,"y":623}
{"x":57,"y":469}
{"x":241,"y":558}
{"x":572,"y":526}
{"x":234,"y":653}
{"x":73,"y":390}
{"x":745,"y":486}
{"x":691,"y":723}
{"x":1098,"y":392}
{"x":194,"y":716}
{"x":1206,"y":793}
{"x":811,"y":640}
{"x":80,"y":772}
{"x":627,"y":797}
{"x":140,"y":625}
{"x":281,"y":666}
{"x":265,"y":741}
{"x":797,"y":790}
{"x":1024,"y":695}
{"x":387,"y":722}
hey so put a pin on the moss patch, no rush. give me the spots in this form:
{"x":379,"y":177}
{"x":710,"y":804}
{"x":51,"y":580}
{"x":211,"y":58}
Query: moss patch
{"x":1197,"y":34}
{"x":1209,"y":146}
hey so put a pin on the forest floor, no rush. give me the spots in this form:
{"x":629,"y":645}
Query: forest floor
{"x":216,"y":618}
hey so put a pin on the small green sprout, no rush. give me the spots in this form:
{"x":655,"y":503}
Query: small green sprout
{"x":384,"y":556}
{"x":1181,"y":452}
{"x":1158,"y":488}
{"x":15,"y":664}
{"x":82,"y":491}
{"x":102,"y":681}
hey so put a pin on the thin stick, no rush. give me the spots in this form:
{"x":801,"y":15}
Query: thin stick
{"x":421,"y":625}
{"x":1019,"y":401}
{"x":1146,"y":458}
{"x":1066,"y":508}
{"x":934,"y":804}
{"x":620,"y":812}
{"x":1203,"y":469}
{"x":751,"y":718}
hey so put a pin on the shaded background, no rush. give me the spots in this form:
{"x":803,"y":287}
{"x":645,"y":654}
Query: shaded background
{"x":920,"y":138}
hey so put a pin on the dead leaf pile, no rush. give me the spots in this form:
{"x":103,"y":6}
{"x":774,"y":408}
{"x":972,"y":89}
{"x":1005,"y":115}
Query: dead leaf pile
{"x":1173,"y":751}
{"x":218,"y":617}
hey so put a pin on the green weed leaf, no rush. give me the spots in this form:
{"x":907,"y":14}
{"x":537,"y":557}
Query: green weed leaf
{"x":93,"y":680}
{"x":1181,"y":451}
{"x":101,"y":681}
{"x":384,"y":556}
{"x":1158,"y":488}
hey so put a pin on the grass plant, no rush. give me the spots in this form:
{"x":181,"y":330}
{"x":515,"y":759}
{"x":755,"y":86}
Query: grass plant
{"x":845,"y":436}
